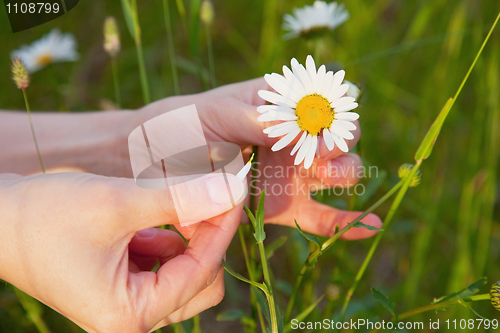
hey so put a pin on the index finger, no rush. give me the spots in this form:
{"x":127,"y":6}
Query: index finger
{"x":246,"y":91}
{"x":183,"y":277}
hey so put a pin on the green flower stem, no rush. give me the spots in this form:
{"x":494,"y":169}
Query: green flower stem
{"x":32,"y":130}
{"x":211,"y":62}
{"x":250,"y":256}
{"x":387,"y":221}
{"x":408,"y":180}
{"x":437,"y":306}
{"x":475,"y":59}
{"x":269,"y":294}
{"x":196,"y":324}
{"x":33,"y":310}
{"x":142,"y":70}
{"x":317,"y":50}
{"x":116,"y":82}
{"x":171,"y":50}
{"x":182,"y":13}
{"x":253,"y":187}
{"x":253,"y":298}
{"x":140,"y":56}
{"x":313,"y":257}
{"x":481,"y":297}
{"x":253,"y":206}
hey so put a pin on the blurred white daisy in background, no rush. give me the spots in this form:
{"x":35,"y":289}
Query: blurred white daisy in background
{"x":310,"y":21}
{"x":353,"y":91}
{"x":311,"y":103}
{"x":52,"y":47}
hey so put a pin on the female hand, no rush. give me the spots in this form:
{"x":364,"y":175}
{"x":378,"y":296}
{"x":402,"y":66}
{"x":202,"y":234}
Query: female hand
{"x":229,"y":114}
{"x":97,"y":142}
{"x":85,"y":246}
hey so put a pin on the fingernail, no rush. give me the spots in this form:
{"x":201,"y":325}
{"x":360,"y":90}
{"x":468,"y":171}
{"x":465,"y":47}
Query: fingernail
{"x":218,"y":189}
{"x":335,"y":169}
{"x":146,"y":233}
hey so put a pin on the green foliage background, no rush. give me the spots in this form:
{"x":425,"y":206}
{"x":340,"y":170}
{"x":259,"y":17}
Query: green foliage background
{"x":408,"y":57}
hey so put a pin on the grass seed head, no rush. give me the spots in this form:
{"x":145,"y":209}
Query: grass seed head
{"x":111,"y":36}
{"x":207,"y":12}
{"x":495,"y":295}
{"x":405,"y":169}
{"x":20,"y":74}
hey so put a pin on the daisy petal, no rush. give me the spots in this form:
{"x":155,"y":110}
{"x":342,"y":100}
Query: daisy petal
{"x":311,"y":152}
{"x":340,"y":142}
{"x":320,"y":78}
{"x":324,"y":88}
{"x":327,"y":136}
{"x":301,"y":154}
{"x":294,"y":81}
{"x":278,"y":115}
{"x":290,"y":125}
{"x":274,"y":127}
{"x":311,"y":70}
{"x":338,"y":77}
{"x":281,"y":85}
{"x":276,"y":98}
{"x":265,"y":108}
{"x":338,"y":92}
{"x":347,"y":107}
{"x":343,"y":101}
{"x":351,"y":116}
{"x":266,"y":117}
{"x":285,"y":141}
{"x":345,"y":124}
{"x":340,"y":131}
{"x":299,"y":144}
{"x":301,"y":73}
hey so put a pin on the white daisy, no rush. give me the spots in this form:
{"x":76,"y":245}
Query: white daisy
{"x":308,"y":21}
{"x":353,"y":91}
{"x":311,"y":103}
{"x":52,"y":47}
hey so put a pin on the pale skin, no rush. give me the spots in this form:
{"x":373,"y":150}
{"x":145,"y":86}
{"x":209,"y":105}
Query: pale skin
{"x":70,"y":238}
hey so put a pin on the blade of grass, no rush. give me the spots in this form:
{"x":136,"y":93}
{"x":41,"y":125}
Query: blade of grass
{"x":170,"y":42}
{"x":313,"y":257}
{"x":422,"y":153}
{"x":33,"y":310}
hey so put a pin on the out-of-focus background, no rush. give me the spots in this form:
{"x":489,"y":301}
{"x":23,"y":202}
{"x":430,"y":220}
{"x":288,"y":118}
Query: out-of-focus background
{"x":408,"y":57}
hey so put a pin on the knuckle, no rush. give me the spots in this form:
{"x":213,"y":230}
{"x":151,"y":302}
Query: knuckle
{"x":219,"y":294}
{"x":183,"y":198}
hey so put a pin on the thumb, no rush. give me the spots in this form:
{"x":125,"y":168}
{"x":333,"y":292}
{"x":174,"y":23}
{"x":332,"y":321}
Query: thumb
{"x":183,"y":202}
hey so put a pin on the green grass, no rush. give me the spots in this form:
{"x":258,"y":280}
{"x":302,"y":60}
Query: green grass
{"x":408,"y":57}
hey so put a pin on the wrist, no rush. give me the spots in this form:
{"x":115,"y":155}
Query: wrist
{"x":93,"y":142}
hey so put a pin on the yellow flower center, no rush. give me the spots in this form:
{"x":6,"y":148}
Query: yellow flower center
{"x":44,"y":60}
{"x":314,"y":113}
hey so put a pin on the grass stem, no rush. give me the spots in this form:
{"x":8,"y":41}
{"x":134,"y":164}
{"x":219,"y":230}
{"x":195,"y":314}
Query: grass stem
{"x":269,"y":295}
{"x":387,"y":221}
{"x":437,"y":306}
{"x":308,"y":264}
{"x":170,"y":42}
{"x":403,"y":190}
{"x":33,"y":310}
{"x":142,"y":71}
{"x":140,"y":56}
{"x":32,"y":129}
{"x":253,"y":299}
{"x":211,"y":62}
{"x":116,"y":81}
